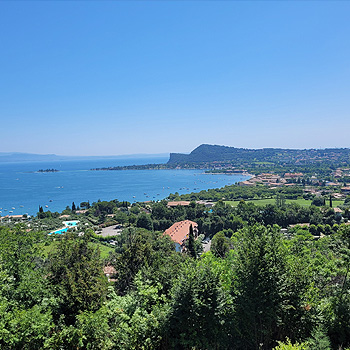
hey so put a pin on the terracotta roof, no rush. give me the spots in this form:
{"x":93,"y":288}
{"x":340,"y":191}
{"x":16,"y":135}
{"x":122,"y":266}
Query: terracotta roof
{"x":293,"y":174}
{"x":179,"y":231}
{"x":174,"y":204}
{"x":83,"y":211}
{"x":109,"y":270}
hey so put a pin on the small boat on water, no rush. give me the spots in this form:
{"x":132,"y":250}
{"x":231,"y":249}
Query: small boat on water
{"x":46,"y":206}
{"x":13,"y":208}
{"x":21,"y":206}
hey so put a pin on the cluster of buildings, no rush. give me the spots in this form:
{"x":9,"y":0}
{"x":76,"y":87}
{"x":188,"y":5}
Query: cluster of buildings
{"x":207,"y":204}
{"x":271,"y":180}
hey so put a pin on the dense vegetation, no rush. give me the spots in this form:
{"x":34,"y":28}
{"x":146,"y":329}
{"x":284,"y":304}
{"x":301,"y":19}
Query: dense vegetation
{"x":254,"y":289}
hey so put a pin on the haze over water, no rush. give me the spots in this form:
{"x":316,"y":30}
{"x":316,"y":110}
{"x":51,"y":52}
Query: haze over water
{"x":23,"y":188}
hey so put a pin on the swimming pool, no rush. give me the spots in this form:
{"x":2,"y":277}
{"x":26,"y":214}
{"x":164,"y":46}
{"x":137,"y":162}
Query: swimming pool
{"x":59,"y":232}
{"x":68,"y":224}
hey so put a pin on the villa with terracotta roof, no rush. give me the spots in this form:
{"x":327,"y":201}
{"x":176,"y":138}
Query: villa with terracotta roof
{"x":345,"y":190}
{"x":179,"y":231}
{"x":182,"y":203}
{"x":293,"y":175}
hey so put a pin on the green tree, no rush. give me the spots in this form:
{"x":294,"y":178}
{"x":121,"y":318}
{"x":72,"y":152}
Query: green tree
{"x":144,"y":221}
{"x":280,"y":200}
{"x":191,"y":248}
{"x":137,"y":249}
{"x":220,"y":245}
{"x":198,"y":310}
{"x":76,"y":273}
{"x":265,"y":290}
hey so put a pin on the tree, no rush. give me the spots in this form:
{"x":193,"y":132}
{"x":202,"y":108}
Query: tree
{"x":85,"y":205}
{"x":280,"y":200}
{"x":191,"y":244}
{"x":266,"y":291}
{"x":330,"y":201}
{"x":196,"y":318}
{"x":76,"y":273}
{"x":73,"y":207}
{"x":318,"y":201}
{"x":144,"y":221}
{"x":220,"y":245}
{"x":137,"y":249}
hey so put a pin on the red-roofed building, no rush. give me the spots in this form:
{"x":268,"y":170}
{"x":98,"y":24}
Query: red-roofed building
{"x":174,"y":204}
{"x":179,"y":233}
{"x":293,"y":175}
{"x":109,"y":272}
{"x":345,"y":190}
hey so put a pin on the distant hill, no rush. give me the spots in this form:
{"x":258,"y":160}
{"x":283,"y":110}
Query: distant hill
{"x":214,"y":153}
{"x":31,"y":157}
{"x":28,"y":157}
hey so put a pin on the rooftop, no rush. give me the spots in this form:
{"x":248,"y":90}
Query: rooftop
{"x":179,"y":231}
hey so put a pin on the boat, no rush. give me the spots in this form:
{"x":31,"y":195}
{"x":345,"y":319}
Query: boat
{"x":13,"y":208}
{"x":46,"y":206}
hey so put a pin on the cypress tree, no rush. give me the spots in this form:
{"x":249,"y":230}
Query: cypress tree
{"x":191,"y":245}
{"x":330,"y":201}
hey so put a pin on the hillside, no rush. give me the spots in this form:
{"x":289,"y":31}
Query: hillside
{"x":214,"y":153}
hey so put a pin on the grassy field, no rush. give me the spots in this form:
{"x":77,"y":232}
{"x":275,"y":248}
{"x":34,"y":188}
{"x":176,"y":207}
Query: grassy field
{"x":104,"y":250}
{"x":302,"y":202}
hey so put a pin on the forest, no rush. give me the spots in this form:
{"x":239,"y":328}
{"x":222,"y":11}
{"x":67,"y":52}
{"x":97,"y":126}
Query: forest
{"x":259,"y":287}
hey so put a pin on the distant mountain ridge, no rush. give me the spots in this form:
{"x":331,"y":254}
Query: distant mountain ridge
{"x":214,"y":153}
{"x":27,"y":157}
{"x":32,"y":157}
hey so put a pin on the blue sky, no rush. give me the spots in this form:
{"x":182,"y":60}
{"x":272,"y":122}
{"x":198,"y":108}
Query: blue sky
{"x":110,"y":78}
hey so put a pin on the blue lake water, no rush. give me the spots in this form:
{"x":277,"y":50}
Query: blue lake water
{"x":22,"y":188}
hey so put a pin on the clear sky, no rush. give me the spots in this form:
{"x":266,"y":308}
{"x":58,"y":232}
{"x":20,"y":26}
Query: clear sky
{"x":114,"y":77}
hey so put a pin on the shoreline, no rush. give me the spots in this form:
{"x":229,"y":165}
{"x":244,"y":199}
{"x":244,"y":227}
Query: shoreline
{"x":62,"y":188}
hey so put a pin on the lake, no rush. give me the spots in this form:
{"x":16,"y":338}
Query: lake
{"x":24,"y":189}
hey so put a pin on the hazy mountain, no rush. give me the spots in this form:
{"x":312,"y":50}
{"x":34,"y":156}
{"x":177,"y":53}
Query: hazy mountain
{"x":31,"y":157}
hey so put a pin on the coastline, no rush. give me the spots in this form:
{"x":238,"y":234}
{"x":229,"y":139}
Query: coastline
{"x":25,"y":191}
